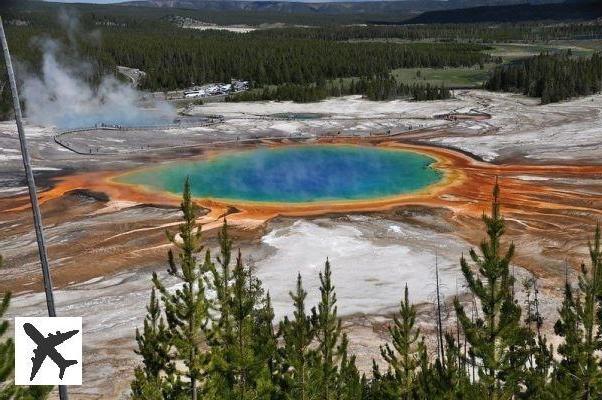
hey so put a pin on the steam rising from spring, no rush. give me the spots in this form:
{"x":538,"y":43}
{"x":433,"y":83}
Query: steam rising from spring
{"x":61,"y":96}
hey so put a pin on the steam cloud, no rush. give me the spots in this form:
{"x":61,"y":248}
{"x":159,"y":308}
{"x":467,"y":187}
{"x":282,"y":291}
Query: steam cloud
{"x":61,"y":96}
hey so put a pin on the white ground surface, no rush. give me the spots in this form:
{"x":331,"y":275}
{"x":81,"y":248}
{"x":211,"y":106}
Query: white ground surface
{"x":371,"y":260}
{"x":561,"y":132}
{"x":378,"y":255}
{"x":230,"y":28}
{"x":351,"y":106}
{"x":519,"y":127}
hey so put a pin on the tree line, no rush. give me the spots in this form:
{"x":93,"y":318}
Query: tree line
{"x":216,"y":337}
{"x":345,"y":26}
{"x":372,"y":88}
{"x":42,"y":12}
{"x":326,"y":27}
{"x":552,"y":77}
{"x":175,"y":58}
{"x":298,"y":59}
{"x":467,"y":32}
{"x":560,"y":11}
{"x":175,"y":63}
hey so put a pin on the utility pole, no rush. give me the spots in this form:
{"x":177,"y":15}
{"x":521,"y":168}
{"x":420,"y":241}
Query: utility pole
{"x":439,"y":321}
{"x":33,"y":196}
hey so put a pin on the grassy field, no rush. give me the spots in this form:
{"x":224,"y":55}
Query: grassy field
{"x":593,"y":45}
{"x":474,"y":77}
{"x":513,"y":51}
{"x":450,"y":77}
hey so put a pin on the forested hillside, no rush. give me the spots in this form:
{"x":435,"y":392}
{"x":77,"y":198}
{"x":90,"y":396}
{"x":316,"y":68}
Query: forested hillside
{"x":474,"y":33}
{"x":404,"y":7}
{"x":551,"y":77}
{"x":175,"y":58}
{"x":219,"y":15}
{"x":513,"y":13}
{"x":304,"y":58}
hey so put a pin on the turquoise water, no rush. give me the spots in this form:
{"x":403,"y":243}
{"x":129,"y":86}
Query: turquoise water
{"x":296,"y":174}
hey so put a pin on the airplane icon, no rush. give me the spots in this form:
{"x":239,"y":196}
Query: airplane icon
{"x":46,"y":348}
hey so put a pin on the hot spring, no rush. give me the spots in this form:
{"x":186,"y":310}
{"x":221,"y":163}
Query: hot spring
{"x":296,"y":174}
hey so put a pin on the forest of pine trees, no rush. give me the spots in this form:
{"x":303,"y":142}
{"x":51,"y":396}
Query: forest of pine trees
{"x":8,"y":389}
{"x":383,"y":87}
{"x":551,"y":77}
{"x":292,"y":62}
{"x":216,"y":338}
{"x":472,"y":33}
{"x":175,"y":58}
{"x":308,"y":26}
{"x":296,"y":59}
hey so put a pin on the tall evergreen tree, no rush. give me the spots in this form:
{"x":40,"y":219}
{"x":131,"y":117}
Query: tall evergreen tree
{"x":403,"y":358}
{"x":579,"y":324}
{"x":496,"y":339}
{"x":152,"y":379}
{"x":265,"y":343}
{"x":331,"y":341}
{"x":298,"y":357}
{"x":187,"y":309}
{"x":221,"y":332}
{"x":242,"y":339}
{"x":8,"y":390}
{"x":563,"y":382}
{"x":426,"y":377}
{"x":537,"y":376}
{"x":350,"y":381}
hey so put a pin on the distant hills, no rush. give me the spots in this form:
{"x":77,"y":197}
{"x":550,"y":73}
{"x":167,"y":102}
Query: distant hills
{"x":569,"y":10}
{"x":327,"y":8}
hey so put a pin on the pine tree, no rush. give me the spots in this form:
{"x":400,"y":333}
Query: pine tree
{"x":568,"y":328}
{"x":331,"y":342}
{"x":540,"y":355}
{"x":265,"y":343}
{"x":379,"y":387}
{"x":7,"y":351}
{"x":403,"y":358}
{"x":151,"y":380}
{"x":350,"y":382}
{"x":242,"y":340}
{"x":251,"y":369}
{"x":8,"y":390}
{"x":579,"y":325}
{"x":242,"y":305}
{"x":298,"y":357}
{"x":453,"y":379}
{"x":221,"y":333}
{"x":426,"y":377}
{"x":187,"y":310}
{"x":497,"y":340}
